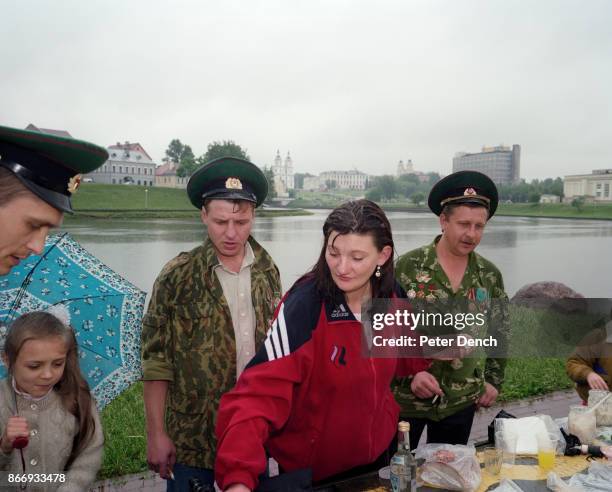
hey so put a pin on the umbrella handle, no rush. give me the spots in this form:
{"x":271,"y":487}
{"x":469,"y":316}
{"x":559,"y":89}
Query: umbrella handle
{"x":20,"y":442}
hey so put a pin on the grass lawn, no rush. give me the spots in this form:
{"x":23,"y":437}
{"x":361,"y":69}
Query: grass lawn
{"x":92,"y":196}
{"x":123,"y":419}
{"x":122,"y":201}
{"x":561,"y":210}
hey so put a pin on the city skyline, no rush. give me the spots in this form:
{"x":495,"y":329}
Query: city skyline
{"x":340,"y":84}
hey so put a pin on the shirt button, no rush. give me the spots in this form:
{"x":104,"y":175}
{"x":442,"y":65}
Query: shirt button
{"x":33,"y":432}
{"x":34,"y":406}
{"x":243,"y":314}
{"x":33,"y":462}
{"x":242,"y":294}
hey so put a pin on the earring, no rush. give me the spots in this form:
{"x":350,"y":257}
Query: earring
{"x":377,"y":273}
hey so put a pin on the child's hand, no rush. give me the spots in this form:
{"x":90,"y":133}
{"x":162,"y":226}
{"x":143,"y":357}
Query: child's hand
{"x":15,"y":427}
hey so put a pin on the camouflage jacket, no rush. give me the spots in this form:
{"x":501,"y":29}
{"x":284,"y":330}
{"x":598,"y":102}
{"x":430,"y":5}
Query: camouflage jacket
{"x":462,"y":380}
{"x":188,"y":340}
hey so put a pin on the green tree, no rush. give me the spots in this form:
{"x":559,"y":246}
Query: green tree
{"x":417,"y":198}
{"x":188,"y":163}
{"x":433,"y":178}
{"x":409,"y":178}
{"x":174,"y":150}
{"x":374,"y":194}
{"x":225,"y":148}
{"x":578,"y":203}
{"x":406,"y":188}
{"x":534,"y":197}
{"x":387,"y":186}
{"x":269,"y":174}
{"x":298,"y":179}
{"x":182,"y":155}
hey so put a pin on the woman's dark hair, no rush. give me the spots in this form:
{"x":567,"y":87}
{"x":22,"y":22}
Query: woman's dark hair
{"x":356,"y":217}
{"x":72,"y":388}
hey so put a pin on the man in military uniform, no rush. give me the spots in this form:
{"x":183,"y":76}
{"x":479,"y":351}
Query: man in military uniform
{"x":39,"y":173}
{"x":209,"y":311}
{"x":444,"y":398}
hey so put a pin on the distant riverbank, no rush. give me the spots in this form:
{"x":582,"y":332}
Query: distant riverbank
{"x":546,"y":210}
{"x":557,"y":210}
{"x":122,"y":201}
{"x":138,"y":202}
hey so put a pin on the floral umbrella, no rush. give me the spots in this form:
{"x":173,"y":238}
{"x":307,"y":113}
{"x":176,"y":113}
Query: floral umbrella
{"x":105,"y":311}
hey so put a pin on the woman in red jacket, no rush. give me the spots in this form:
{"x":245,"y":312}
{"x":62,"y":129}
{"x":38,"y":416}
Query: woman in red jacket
{"x":309,"y":398}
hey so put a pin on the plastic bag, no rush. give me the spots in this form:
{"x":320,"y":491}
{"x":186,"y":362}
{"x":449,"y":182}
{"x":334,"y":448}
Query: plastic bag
{"x":556,"y":484}
{"x":603,"y":413}
{"x":526,"y":430}
{"x":507,"y":485}
{"x":448,"y":466}
{"x":599,"y":478}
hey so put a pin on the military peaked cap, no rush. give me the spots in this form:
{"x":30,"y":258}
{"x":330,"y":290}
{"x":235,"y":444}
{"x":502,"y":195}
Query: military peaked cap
{"x":50,"y":166}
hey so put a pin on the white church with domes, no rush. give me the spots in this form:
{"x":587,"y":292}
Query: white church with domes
{"x":283,"y":175}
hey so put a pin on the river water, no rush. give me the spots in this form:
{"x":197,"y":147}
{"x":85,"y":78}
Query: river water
{"x":575,"y":252}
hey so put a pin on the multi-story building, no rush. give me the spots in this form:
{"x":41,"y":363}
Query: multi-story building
{"x":128,"y":163}
{"x":166,"y":177}
{"x":344,"y":180}
{"x":59,"y":133}
{"x":311,"y":183}
{"x":500,"y":163}
{"x":548,"y":198}
{"x":595,"y":186}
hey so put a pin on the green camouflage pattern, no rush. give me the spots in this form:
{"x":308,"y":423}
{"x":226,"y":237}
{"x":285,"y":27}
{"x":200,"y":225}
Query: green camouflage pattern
{"x":462,"y":380}
{"x":188,"y":340}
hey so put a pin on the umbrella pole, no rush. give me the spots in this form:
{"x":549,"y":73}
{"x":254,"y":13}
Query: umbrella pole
{"x":20,"y":442}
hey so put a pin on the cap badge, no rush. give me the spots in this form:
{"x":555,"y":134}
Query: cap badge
{"x":469,"y":192}
{"x":74,"y":183}
{"x":233,"y":184}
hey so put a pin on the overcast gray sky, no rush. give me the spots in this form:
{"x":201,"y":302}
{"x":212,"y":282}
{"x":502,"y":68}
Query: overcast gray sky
{"x":340,"y":84}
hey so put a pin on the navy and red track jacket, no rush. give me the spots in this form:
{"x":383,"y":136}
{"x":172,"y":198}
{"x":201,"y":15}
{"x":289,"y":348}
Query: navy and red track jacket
{"x":309,"y":398}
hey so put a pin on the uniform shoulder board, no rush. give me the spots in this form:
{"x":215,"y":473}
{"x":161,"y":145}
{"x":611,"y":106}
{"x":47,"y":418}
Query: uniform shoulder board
{"x":176,"y":262}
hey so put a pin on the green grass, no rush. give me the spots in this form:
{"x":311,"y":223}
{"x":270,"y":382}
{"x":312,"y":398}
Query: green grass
{"x":560,"y":210}
{"x":124,"y":435}
{"x":121,"y":201}
{"x":92,"y":196}
{"x":533,"y":377}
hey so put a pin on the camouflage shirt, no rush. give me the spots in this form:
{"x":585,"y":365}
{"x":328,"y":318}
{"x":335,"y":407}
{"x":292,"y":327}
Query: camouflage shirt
{"x":462,"y":381}
{"x":188,"y":340}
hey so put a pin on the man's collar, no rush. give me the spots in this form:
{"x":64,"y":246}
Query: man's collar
{"x":247,"y":259}
{"x":261,"y":260}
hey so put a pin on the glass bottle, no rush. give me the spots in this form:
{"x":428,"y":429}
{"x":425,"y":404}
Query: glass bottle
{"x":403,"y":465}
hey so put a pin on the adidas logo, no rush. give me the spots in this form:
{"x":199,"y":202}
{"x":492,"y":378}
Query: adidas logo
{"x":340,"y":312}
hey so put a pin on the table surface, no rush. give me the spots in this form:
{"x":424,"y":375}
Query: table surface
{"x":526,"y":473}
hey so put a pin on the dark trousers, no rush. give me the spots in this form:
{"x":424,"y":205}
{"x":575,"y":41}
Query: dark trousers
{"x":381,"y":461}
{"x":454,"y":429}
{"x":184,"y":473}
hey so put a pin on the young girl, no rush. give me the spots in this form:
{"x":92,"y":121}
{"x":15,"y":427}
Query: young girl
{"x":45,"y":404}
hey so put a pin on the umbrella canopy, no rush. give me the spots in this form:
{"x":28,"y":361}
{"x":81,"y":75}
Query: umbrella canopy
{"x":105,"y":311}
